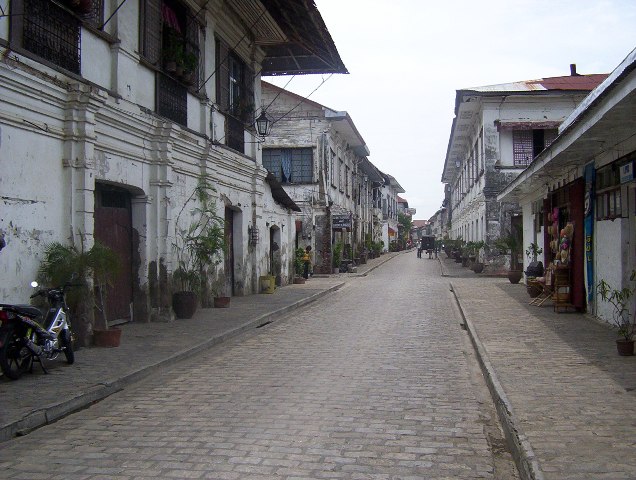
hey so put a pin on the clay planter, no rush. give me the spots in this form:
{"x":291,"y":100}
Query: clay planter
{"x":222,"y":302}
{"x":107,"y":338}
{"x":478,"y":267}
{"x":515,"y":276}
{"x":625,"y":347}
{"x":299,"y":280}
{"x":184,"y":304}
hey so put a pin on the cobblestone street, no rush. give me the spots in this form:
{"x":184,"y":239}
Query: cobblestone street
{"x":375,"y":381}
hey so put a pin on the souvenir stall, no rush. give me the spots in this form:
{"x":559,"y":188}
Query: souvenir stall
{"x":564,"y":237}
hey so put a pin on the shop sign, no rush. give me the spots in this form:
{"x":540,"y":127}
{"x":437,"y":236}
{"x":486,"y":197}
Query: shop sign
{"x":341,"y":221}
{"x":627,"y":172}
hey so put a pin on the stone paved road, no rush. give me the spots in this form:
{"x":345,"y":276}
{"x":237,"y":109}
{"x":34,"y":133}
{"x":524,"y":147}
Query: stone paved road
{"x":376,"y":381}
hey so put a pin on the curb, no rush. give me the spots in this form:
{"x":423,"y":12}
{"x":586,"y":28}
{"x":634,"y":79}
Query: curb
{"x":525,"y":459}
{"x":54,"y":412}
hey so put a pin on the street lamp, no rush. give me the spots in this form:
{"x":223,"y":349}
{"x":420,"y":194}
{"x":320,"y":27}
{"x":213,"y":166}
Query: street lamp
{"x":263,"y":124}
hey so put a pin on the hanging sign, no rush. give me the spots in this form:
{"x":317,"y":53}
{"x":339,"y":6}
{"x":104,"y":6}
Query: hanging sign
{"x":341,"y":221}
{"x":627,"y":172}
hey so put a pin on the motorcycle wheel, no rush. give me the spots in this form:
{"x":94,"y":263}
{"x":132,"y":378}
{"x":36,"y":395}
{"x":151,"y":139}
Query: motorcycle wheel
{"x":15,"y":357}
{"x":66,"y":343}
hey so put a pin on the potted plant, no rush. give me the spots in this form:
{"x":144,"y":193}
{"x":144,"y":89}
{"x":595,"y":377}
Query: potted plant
{"x":197,"y":247}
{"x":189,"y":62}
{"x":299,"y":264}
{"x":473,"y":254}
{"x":99,"y":264}
{"x":510,"y":244}
{"x":619,"y":300}
{"x":337,"y":257}
{"x":534,"y":270}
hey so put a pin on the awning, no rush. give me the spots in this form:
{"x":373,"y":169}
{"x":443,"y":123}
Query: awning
{"x":279,"y":194}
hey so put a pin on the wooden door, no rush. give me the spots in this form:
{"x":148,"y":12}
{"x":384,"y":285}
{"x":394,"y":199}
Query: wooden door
{"x":113,"y":228}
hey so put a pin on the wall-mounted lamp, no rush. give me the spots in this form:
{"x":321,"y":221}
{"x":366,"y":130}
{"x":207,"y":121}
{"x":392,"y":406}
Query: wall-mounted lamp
{"x":457,"y":163}
{"x":252,"y":233}
{"x":263,"y":124}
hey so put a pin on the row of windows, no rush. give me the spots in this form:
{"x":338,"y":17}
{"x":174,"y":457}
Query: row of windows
{"x":169,"y":40}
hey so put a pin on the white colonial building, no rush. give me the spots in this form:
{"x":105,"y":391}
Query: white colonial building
{"x":586,"y":179}
{"x":496,"y":132}
{"x":320,"y":158}
{"x":111,"y":112}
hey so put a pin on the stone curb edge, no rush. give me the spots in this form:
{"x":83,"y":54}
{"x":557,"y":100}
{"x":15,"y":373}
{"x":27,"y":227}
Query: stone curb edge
{"x":54,"y":412}
{"x":522,"y":452}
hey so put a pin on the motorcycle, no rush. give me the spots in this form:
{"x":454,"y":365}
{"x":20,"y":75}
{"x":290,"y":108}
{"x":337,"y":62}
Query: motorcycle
{"x":28,"y":336}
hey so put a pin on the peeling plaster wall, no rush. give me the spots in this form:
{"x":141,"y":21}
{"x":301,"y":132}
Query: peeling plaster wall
{"x":64,"y":135}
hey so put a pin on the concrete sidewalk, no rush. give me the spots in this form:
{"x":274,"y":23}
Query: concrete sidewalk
{"x":39,"y":399}
{"x":564,"y":396}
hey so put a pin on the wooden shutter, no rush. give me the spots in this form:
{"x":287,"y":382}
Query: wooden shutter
{"x":222,"y":75}
{"x":151,"y":31}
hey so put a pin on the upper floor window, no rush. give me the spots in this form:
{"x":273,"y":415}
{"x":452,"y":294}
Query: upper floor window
{"x":527,"y":144}
{"x":47,"y":30}
{"x":332,"y":167}
{"x":234,"y":94}
{"x":289,"y":165}
{"x":169,"y":40}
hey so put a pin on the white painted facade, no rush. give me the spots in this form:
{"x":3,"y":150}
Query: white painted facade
{"x":480,"y":161}
{"x":63,"y":133}
{"x":341,"y":181}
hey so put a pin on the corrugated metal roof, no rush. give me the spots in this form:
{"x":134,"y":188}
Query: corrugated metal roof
{"x":569,"y":82}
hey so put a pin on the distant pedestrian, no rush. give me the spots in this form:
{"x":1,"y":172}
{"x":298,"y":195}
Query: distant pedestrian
{"x":307,"y":261}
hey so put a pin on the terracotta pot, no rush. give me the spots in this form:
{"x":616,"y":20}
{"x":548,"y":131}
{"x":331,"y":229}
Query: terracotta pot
{"x":184,"y":304}
{"x":625,"y":347}
{"x":222,"y":302}
{"x":515,"y":276}
{"x":478,"y":267}
{"x":107,"y":338}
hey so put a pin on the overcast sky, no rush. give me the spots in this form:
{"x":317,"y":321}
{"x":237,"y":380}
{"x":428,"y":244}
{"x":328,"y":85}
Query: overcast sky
{"x":407,"y":58}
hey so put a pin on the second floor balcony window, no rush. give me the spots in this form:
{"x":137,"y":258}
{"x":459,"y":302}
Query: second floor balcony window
{"x":527,"y":144}
{"x":170,"y":42}
{"x":234,"y":94}
{"x":289,"y":165}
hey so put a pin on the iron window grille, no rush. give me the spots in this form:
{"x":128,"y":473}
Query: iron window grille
{"x":172,"y":99}
{"x":48,"y":31}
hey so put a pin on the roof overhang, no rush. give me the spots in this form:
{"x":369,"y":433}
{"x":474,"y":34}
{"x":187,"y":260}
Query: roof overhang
{"x":279,"y":194}
{"x":371,"y":171}
{"x":603,"y":121}
{"x":293,"y":36}
{"x":344,"y":125}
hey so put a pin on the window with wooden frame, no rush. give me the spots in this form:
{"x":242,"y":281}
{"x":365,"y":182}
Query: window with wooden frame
{"x":234,"y":93}
{"x":332,"y":167}
{"x":169,"y":40}
{"x":347,"y":180}
{"x":527,"y":144}
{"x":608,"y":193}
{"x":47,"y":30}
{"x":289,"y":165}
{"x":340,"y":173}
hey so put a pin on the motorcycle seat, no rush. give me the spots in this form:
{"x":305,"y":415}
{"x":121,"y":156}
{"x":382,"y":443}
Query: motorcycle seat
{"x":26,"y":310}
